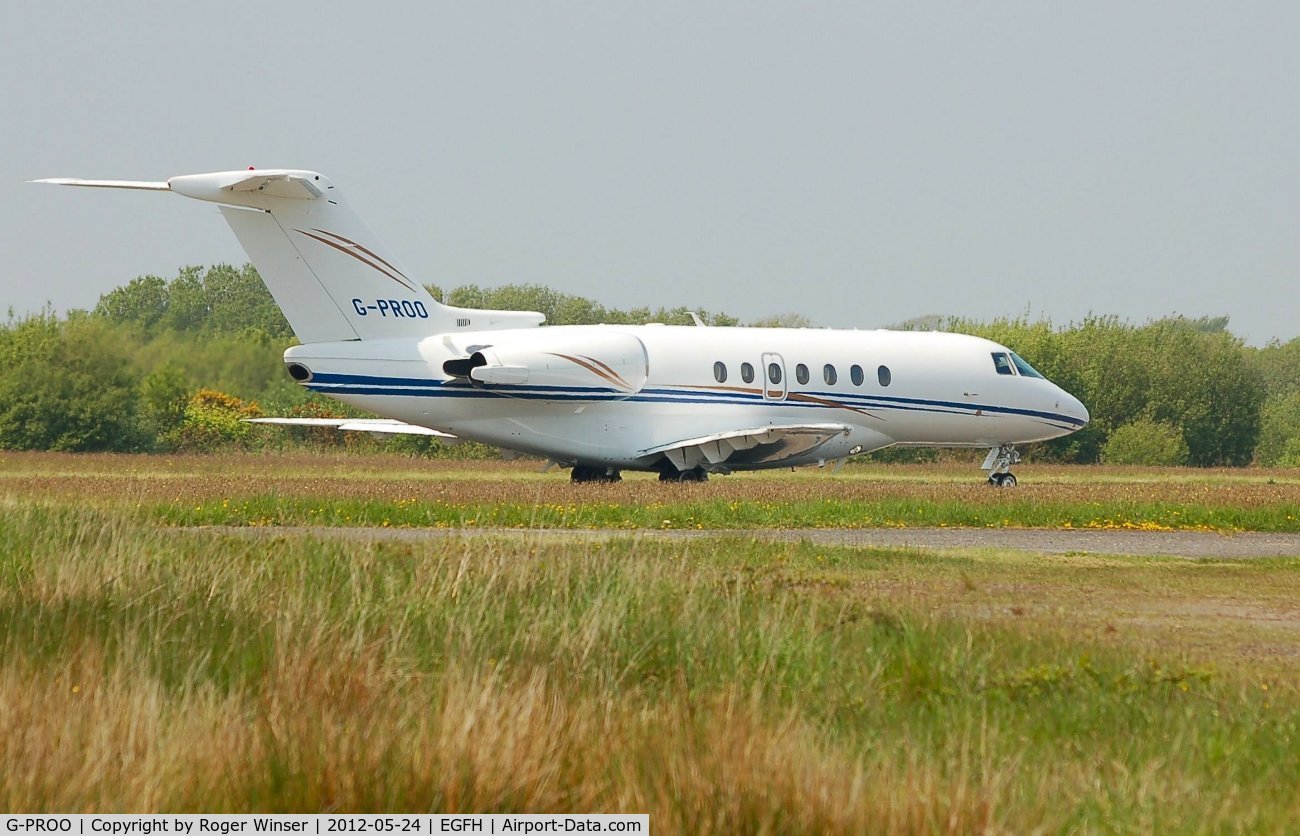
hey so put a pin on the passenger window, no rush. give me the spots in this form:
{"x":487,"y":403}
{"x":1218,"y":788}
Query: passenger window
{"x":1002,"y":363}
{"x":774,"y":372}
{"x":883,"y":375}
{"x":1025,"y":369}
{"x":720,"y":372}
{"x":829,"y":374}
{"x":801,"y":373}
{"x":855,"y":374}
{"x":746,"y":372}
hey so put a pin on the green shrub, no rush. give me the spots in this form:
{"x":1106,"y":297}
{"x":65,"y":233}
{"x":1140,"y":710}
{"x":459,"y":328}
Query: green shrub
{"x":904,"y":455}
{"x":1290,"y":456}
{"x":1279,"y":428}
{"x":213,"y":420}
{"x":164,"y":397}
{"x":67,"y":385}
{"x":1146,"y":442}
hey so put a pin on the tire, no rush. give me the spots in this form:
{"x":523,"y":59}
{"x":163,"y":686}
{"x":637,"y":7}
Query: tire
{"x":583,"y":473}
{"x":693,"y":475}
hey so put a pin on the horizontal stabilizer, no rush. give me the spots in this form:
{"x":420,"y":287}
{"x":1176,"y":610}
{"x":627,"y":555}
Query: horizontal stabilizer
{"x":220,"y":186}
{"x":766,"y":445}
{"x":144,"y":185}
{"x":364,"y":425}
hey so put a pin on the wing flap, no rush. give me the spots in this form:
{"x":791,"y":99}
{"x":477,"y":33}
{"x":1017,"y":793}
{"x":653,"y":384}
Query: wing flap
{"x":757,"y":445}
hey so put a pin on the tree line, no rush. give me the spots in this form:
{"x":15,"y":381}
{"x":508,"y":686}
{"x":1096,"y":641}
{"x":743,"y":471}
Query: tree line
{"x":176,"y":363}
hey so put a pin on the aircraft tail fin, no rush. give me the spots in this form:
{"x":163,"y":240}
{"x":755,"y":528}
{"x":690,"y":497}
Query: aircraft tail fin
{"x":332,"y":277}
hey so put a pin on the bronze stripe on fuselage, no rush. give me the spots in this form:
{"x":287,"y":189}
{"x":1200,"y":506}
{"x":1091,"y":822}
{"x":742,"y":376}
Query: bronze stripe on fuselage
{"x":792,"y":396}
{"x":800,"y":396}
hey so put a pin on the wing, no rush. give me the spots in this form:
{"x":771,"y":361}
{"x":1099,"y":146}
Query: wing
{"x":365,"y":425}
{"x":753,"y":446}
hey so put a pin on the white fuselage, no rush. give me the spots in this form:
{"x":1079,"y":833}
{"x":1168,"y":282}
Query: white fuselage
{"x":603,"y":394}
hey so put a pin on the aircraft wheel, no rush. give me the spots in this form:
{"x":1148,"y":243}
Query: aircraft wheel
{"x":672,"y":474}
{"x":1003,"y":480}
{"x":583,"y":473}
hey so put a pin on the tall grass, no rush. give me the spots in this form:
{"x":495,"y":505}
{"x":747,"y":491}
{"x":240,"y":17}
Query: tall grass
{"x":693,"y":511}
{"x":348,"y":490}
{"x":721,"y":685}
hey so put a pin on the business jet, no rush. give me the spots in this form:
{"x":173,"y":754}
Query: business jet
{"x":682,"y":401}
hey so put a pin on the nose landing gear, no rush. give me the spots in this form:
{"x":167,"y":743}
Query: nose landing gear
{"x":998,"y":464}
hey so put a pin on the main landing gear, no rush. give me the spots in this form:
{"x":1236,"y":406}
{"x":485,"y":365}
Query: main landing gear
{"x":998,"y":464}
{"x":672,"y":474}
{"x":584,"y":473}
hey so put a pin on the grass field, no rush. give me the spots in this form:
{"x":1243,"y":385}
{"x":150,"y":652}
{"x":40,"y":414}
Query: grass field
{"x":348,"y":490}
{"x":721,"y":684}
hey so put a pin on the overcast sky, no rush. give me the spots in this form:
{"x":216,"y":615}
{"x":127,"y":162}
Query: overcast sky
{"x":860,"y":164}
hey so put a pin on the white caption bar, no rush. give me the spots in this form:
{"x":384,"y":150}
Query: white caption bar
{"x":203,"y":825}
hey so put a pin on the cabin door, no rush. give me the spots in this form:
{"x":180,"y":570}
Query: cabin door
{"x":774,"y":382}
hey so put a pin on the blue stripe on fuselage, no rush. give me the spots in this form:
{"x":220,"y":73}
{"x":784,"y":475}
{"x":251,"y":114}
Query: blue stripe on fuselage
{"x":350,"y":384}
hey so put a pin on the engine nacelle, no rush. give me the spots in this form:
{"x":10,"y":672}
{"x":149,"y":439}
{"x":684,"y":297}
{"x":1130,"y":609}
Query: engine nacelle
{"x":599,"y":362}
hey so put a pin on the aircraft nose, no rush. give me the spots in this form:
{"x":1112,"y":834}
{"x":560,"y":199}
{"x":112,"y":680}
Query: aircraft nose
{"x":1075,"y":408}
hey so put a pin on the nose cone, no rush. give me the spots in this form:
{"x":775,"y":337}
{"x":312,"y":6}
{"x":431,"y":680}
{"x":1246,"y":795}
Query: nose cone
{"x":1074,"y":408}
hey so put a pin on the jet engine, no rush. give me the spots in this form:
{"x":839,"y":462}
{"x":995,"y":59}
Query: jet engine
{"x":598,"y":363}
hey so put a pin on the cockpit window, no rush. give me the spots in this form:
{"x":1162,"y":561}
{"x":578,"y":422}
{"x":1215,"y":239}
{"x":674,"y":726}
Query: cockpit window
{"x":1002,"y":363}
{"x":1024,"y":367}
